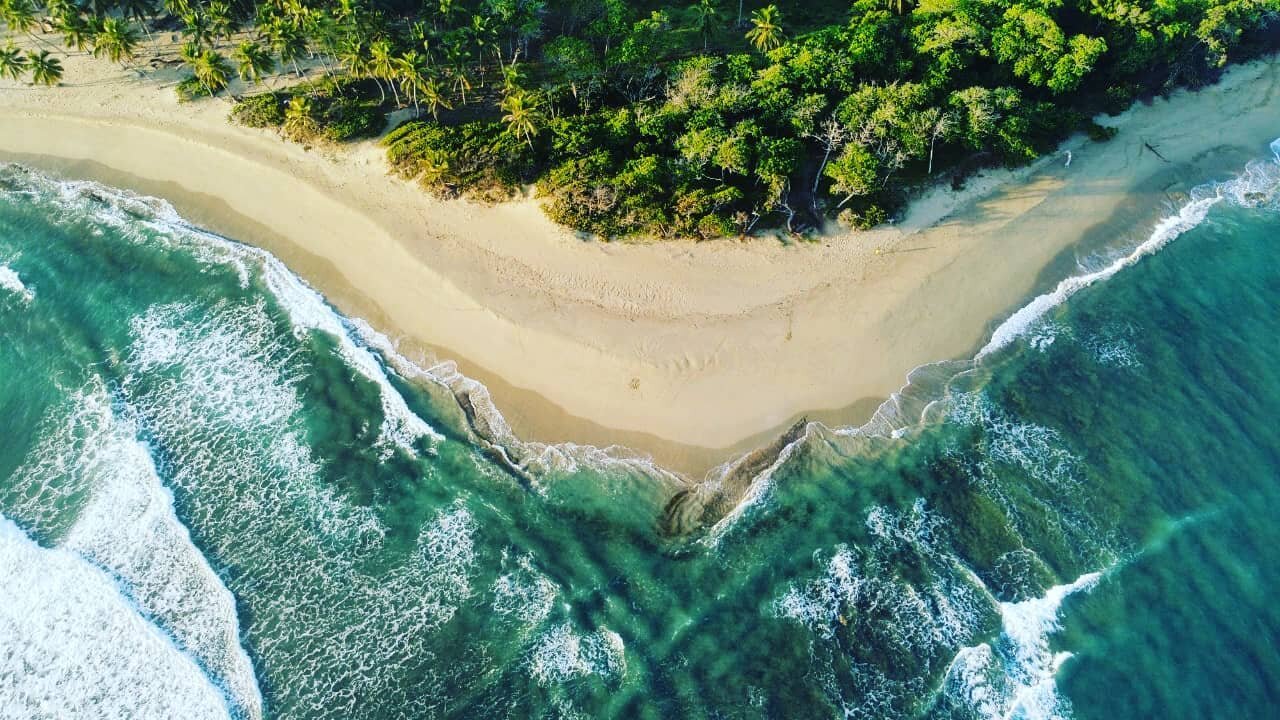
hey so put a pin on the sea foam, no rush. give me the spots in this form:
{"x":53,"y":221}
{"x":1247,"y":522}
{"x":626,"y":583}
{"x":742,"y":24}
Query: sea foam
{"x":76,"y":647}
{"x":149,"y":220}
{"x":123,"y":522}
{"x":10,"y":282}
{"x":1013,"y":677}
{"x":1256,"y":185}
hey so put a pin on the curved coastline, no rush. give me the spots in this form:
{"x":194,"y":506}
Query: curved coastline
{"x":692,"y":353}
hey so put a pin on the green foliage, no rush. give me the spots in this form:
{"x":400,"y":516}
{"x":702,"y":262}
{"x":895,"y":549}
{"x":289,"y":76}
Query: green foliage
{"x":1100,"y":133}
{"x":690,"y":118}
{"x":260,"y":111}
{"x":189,"y":88}
{"x":325,"y":110}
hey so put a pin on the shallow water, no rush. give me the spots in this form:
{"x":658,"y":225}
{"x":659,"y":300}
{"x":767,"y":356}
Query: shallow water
{"x":221,"y":496}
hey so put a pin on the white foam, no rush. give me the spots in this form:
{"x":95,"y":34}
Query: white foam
{"x":75,"y":647}
{"x":308,"y":311}
{"x":219,"y":390}
{"x":10,"y":281}
{"x":860,"y":598}
{"x":1167,"y":230}
{"x":524,"y":593}
{"x":564,"y":654}
{"x":536,"y":460}
{"x":125,"y":524}
{"x":1256,"y":184}
{"x":1014,"y":677}
{"x":127,"y":213}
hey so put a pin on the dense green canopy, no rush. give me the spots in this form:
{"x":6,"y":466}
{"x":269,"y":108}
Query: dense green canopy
{"x":697,"y":118}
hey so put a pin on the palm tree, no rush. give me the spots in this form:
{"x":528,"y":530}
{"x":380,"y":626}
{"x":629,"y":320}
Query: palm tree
{"x":706,"y":14}
{"x":19,"y":15}
{"x":189,"y":53}
{"x":412,"y":70}
{"x":12,"y":62}
{"x":139,"y":11}
{"x":523,"y":118}
{"x":513,"y":77}
{"x":197,"y":28}
{"x":116,"y":39}
{"x":382,"y":64}
{"x":212,"y":71}
{"x":458,"y":56}
{"x":221,"y":23}
{"x":433,"y":95}
{"x":482,"y":36}
{"x":351,"y":54}
{"x":76,"y":32}
{"x":299,"y":124}
{"x":447,"y":9}
{"x":45,"y":69}
{"x":766,"y":28}
{"x":253,"y":61}
{"x":288,"y":42}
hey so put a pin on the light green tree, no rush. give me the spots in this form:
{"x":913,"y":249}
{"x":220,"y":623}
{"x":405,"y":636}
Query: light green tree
{"x":45,"y":68}
{"x":116,"y":40}
{"x":13,"y":64}
{"x":523,"y":115}
{"x":253,"y":61}
{"x":766,"y":28}
{"x":212,"y":71}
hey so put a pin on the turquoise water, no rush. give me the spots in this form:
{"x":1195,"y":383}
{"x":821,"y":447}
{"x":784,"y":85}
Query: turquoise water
{"x":222,"y":499}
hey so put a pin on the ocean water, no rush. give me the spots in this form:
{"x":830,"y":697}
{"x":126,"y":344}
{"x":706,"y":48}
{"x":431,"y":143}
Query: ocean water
{"x":220,"y":498}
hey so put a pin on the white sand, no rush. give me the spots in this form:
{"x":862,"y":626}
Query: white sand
{"x":686,"y":350}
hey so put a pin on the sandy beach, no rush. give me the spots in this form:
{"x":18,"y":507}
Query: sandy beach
{"x":691,"y":352}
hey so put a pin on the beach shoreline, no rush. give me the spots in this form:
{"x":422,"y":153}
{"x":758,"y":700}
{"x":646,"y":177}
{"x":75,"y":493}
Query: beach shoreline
{"x":690,"y":352}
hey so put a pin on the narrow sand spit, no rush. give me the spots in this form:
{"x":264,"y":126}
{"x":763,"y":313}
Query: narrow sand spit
{"x":689,"y":351}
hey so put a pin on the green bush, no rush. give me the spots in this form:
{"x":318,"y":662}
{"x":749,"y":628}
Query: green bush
{"x":1100,"y":133}
{"x":189,"y":89}
{"x":260,"y":111}
{"x":343,"y":119}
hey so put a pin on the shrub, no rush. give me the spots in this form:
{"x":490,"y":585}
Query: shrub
{"x":343,"y":119}
{"x":1100,"y":133}
{"x":260,"y":111}
{"x":189,"y":89}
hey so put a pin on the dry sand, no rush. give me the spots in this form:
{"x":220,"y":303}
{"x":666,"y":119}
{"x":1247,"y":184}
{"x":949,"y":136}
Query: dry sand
{"x":691,"y":352}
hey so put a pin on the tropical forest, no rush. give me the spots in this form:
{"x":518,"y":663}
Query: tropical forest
{"x":667,"y":119}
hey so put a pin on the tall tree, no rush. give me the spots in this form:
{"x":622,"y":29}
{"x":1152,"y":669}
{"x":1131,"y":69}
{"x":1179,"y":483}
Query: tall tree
{"x":766,"y":28}
{"x":412,"y":70}
{"x":197,"y":28}
{"x":221,"y":20}
{"x":523,"y":116}
{"x":116,"y":40}
{"x":383,"y":65}
{"x":212,"y":71}
{"x":288,"y":42}
{"x":706,"y":16}
{"x":253,"y":61}
{"x":77,"y":32}
{"x":433,"y":96}
{"x":139,"y":11}
{"x":45,"y":69}
{"x":13,"y":64}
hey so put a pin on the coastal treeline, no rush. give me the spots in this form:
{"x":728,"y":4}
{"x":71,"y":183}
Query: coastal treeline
{"x":704,"y":119}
